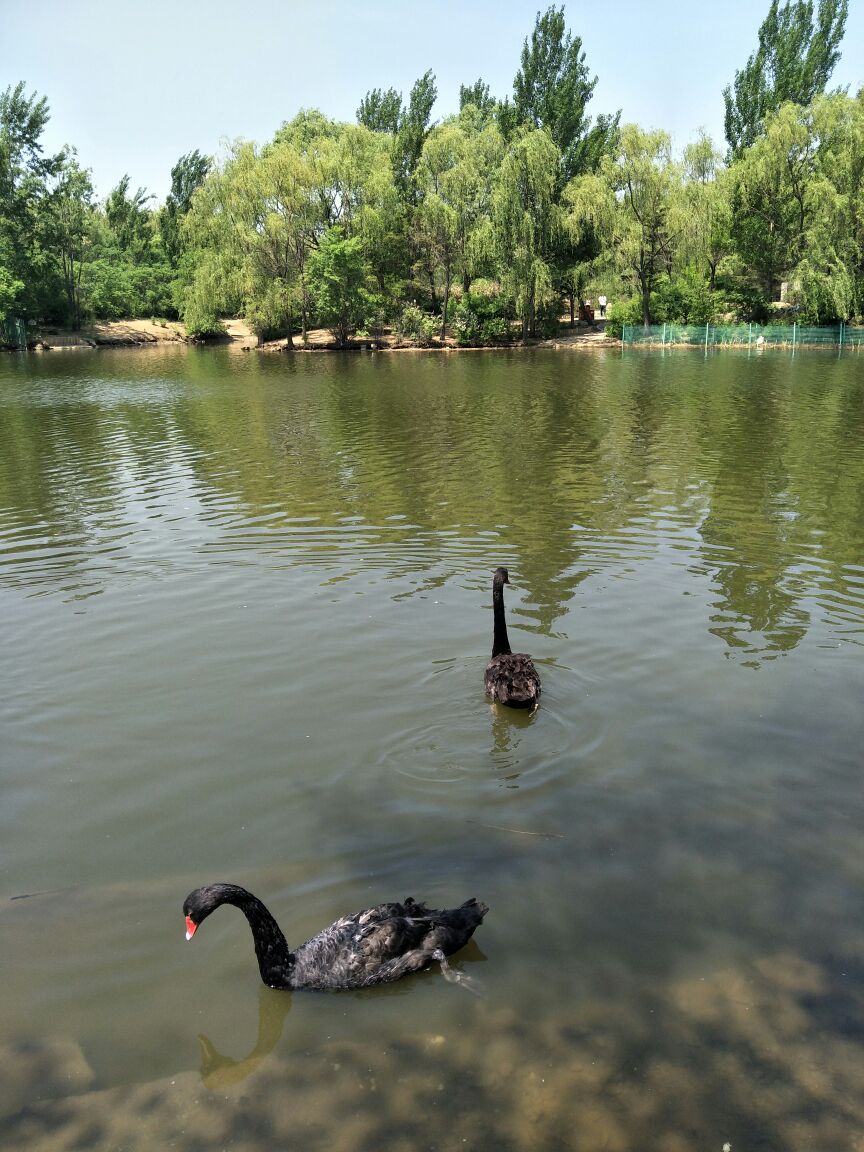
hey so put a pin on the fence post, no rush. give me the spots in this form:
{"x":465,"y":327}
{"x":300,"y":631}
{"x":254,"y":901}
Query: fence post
{"x":841,"y":335}
{"x":706,"y":339}
{"x":794,"y":326}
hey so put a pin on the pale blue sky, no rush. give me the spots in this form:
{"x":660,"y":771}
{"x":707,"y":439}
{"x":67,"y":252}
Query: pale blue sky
{"x":135,"y":85}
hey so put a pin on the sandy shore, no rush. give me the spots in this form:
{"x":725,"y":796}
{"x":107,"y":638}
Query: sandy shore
{"x":138,"y":333}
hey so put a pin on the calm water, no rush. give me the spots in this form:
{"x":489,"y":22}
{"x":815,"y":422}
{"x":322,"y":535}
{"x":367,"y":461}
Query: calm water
{"x":246,"y":609}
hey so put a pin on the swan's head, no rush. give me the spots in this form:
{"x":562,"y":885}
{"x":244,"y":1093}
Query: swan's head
{"x":501,"y":576}
{"x":199,"y":904}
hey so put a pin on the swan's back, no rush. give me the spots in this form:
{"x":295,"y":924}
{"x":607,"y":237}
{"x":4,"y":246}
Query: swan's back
{"x":512,"y":679}
{"x":383,"y":943}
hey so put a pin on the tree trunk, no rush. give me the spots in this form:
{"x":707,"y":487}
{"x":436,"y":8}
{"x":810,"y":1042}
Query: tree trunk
{"x":573,"y":309}
{"x":434,"y":295}
{"x":646,"y":304}
{"x":446,"y":303}
{"x":528,"y":317}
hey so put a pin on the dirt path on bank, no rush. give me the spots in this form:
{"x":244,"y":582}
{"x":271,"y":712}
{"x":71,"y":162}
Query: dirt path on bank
{"x":138,"y":333}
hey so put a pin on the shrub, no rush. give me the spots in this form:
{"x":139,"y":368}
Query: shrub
{"x":482,"y":316}
{"x":684,"y":300}
{"x":415,"y":324}
{"x":622,"y":312}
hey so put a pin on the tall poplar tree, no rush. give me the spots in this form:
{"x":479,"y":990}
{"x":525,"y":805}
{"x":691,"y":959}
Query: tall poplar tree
{"x":552,"y":89}
{"x":793,"y":62}
{"x":381,"y":111}
{"x":187,"y":175}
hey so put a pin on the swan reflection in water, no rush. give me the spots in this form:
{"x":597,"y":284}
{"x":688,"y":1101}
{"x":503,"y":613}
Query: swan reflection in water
{"x":507,"y":727}
{"x":219,"y":1072}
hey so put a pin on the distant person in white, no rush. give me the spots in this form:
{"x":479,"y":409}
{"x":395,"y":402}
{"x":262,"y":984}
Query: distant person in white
{"x":601,"y":300}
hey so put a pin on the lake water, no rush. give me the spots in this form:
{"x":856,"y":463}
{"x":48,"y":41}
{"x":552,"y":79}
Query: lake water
{"x":246,"y":608}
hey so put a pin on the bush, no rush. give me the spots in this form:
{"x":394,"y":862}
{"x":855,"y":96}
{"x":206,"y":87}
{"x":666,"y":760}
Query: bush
{"x":684,"y":300}
{"x":339,"y":279}
{"x":494,"y":330}
{"x":482,"y":316}
{"x":415,"y":324}
{"x":741,"y":300}
{"x":622,"y":312}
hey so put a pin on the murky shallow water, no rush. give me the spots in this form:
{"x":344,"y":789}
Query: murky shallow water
{"x":246,"y":611}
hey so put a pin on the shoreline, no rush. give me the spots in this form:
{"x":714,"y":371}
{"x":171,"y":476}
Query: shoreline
{"x":147,"y":333}
{"x":239,"y":337}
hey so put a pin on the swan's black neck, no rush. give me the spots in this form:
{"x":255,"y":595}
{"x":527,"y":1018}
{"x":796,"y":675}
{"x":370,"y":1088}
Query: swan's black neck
{"x":500,"y":643}
{"x":275,"y":960}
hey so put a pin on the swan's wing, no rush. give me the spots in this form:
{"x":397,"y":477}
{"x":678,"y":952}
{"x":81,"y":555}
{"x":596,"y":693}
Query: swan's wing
{"x":351,"y":952}
{"x":382,"y":944}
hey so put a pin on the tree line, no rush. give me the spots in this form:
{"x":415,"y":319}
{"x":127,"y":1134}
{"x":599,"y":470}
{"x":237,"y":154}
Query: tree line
{"x":483,"y":225}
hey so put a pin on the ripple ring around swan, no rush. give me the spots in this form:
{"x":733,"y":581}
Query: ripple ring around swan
{"x":499,"y":746}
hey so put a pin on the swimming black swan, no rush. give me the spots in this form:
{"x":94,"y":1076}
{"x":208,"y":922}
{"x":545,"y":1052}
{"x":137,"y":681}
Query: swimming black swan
{"x":511,"y":677}
{"x":372,"y":947}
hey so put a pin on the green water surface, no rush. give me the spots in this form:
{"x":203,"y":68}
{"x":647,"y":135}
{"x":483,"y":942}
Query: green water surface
{"x":246,"y":607}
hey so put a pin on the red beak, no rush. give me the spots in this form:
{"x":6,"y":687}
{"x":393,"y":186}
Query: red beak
{"x":191,"y":927}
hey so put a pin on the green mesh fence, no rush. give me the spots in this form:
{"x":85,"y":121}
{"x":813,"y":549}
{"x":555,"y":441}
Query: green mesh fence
{"x":743,"y":336}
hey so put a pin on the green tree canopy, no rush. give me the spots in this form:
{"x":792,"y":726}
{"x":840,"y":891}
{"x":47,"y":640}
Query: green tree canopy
{"x":340,"y":282}
{"x":129,"y":220}
{"x":414,"y":125}
{"x":799,"y":204}
{"x":793,"y":62}
{"x":477,"y":94}
{"x":526,"y":221}
{"x":629,"y":203}
{"x":187,"y":176}
{"x":69,"y":228}
{"x":381,"y":111}
{"x":24,"y":175}
{"x":552,"y":89}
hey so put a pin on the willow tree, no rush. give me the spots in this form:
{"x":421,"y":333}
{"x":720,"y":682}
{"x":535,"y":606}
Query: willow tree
{"x":253,"y":226}
{"x":630,"y":204}
{"x":526,"y":222}
{"x":455,"y":175}
{"x":351,"y":184}
{"x":265,"y":212}
{"x":772,"y":196}
{"x":799,"y":204}
{"x":833,"y":277}
{"x":706,"y":225}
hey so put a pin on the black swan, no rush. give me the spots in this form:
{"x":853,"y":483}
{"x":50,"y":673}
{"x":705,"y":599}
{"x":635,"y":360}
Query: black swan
{"x":511,"y":677}
{"x":375,"y":946}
